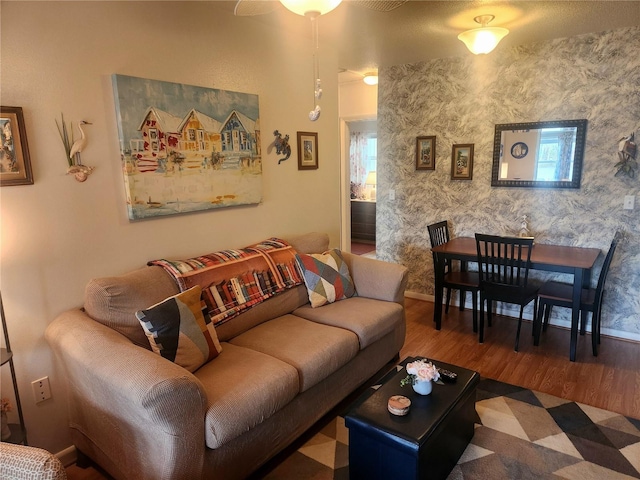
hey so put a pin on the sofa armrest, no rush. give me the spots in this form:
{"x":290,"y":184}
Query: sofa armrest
{"x":128,"y":403}
{"x":19,"y":462}
{"x":377,"y":279}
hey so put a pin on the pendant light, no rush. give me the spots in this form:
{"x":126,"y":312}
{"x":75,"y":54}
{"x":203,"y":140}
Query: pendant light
{"x":304,"y":7}
{"x":312,"y":9}
{"x":484,"y":39}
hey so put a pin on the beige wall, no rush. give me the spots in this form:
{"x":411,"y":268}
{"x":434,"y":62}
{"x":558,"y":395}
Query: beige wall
{"x":58,"y":233}
{"x":358,"y":100}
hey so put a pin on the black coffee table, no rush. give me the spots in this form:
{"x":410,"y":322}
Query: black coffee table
{"x":424,"y":444}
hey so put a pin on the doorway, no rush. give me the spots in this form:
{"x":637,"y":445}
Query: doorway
{"x":361,"y":159}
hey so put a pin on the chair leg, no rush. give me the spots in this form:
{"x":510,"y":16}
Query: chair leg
{"x":595,"y":331}
{"x":481,"y":319}
{"x":537,"y":324}
{"x":474,"y":299}
{"x":446,"y":308}
{"x":547,"y":314}
{"x":463,"y":299}
{"x":489,"y":311}
{"x":583,"y":322}
{"x":519,"y":326}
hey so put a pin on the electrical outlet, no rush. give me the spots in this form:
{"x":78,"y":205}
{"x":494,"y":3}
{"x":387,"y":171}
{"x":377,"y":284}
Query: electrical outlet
{"x":41,"y":389}
{"x":629,"y":201}
{"x":392,"y":194}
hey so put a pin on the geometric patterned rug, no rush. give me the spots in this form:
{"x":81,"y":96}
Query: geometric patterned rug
{"x":523,"y":435}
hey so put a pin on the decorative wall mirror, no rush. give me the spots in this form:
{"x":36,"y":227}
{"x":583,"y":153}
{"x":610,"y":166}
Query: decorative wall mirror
{"x":539,"y":154}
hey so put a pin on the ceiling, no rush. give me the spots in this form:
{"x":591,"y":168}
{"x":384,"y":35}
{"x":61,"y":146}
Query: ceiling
{"x":422,"y":30}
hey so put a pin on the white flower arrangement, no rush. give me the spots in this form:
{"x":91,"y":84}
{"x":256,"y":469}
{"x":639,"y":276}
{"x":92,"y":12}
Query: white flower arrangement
{"x":420,"y":371}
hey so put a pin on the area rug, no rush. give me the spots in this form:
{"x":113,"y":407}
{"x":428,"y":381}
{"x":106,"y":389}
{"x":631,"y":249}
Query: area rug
{"x":523,"y":435}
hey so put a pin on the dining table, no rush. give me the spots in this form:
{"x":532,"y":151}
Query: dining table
{"x":578,"y":261}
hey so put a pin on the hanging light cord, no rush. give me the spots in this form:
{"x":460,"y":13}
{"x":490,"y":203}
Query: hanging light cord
{"x":317,"y":86}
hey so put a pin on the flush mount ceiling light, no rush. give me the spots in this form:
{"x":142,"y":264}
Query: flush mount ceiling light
{"x":310,"y":7}
{"x":483,"y":39}
{"x":370,"y":78}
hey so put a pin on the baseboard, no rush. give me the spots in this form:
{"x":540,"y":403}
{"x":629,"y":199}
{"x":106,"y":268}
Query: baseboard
{"x":68,"y":456}
{"x":504,"y":309}
{"x":420,"y":296}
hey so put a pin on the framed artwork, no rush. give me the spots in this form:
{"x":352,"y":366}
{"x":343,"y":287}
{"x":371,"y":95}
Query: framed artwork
{"x":185,"y":148}
{"x":307,"y":150}
{"x":462,"y":162}
{"x":15,"y":164}
{"x":426,"y":153}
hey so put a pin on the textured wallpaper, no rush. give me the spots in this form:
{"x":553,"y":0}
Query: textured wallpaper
{"x":459,"y":100}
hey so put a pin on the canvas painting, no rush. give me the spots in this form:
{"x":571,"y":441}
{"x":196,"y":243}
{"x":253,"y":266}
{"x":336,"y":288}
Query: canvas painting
{"x":186,"y":148}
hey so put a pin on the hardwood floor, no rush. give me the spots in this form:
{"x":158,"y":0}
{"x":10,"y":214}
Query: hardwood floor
{"x":610,"y":381}
{"x":362,"y":248}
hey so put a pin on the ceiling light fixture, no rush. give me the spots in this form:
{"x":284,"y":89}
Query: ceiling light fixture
{"x":312,"y":9}
{"x":370,"y":78}
{"x":305,"y":7}
{"x":483,"y":39}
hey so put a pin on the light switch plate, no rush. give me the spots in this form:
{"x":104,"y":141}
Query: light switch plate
{"x":629,"y":202}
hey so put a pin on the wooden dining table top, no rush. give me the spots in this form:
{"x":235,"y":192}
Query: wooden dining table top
{"x":543,"y":254}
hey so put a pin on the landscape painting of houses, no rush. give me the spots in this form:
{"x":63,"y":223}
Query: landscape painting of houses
{"x":185,"y":148}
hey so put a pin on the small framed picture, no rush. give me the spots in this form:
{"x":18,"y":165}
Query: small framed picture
{"x":15,"y":164}
{"x":307,"y":150}
{"x":462,"y":162}
{"x":426,"y":153}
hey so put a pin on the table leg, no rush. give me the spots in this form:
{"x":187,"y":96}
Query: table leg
{"x":575,"y":311}
{"x":438,"y":268}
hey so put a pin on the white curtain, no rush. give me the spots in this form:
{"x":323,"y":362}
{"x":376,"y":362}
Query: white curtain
{"x":358,"y":158}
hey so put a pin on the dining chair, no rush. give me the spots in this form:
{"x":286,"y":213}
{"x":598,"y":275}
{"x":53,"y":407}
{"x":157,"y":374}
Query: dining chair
{"x":455,"y":280}
{"x":503,"y":266}
{"x":560,"y":294}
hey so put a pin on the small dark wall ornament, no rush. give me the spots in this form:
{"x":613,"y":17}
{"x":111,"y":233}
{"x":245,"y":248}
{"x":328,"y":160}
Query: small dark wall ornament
{"x":627,"y":163}
{"x":282,"y":146}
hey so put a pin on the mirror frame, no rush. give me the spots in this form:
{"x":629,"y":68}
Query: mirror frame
{"x":581,"y":129}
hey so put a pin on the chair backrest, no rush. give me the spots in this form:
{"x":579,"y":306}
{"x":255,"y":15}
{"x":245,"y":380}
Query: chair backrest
{"x":503,"y":261}
{"x":605,"y":266}
{"x":439,"y":234}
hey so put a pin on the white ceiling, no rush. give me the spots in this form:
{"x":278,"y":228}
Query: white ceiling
{"x":422,"y":30}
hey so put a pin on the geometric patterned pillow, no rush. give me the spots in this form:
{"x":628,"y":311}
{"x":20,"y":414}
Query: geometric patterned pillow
{"x":326,"y":276}
{"x":177,"y":330}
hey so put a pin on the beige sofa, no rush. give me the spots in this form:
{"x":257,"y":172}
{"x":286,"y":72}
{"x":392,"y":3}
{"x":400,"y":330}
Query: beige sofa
{"x":283,"y":366}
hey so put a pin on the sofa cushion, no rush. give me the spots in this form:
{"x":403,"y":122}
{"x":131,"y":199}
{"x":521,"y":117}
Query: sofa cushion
{"x":326,"y":276}
{"x":369,"y":319}
{"x":178,"y":331}
{"x":315,"y":350}
{"x":113,"y":301}
{"x":244,"y":387}
{"x":280,"y":304}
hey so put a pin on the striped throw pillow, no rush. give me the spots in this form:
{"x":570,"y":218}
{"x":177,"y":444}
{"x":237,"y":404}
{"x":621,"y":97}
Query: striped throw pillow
{"x":178,"y":331}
